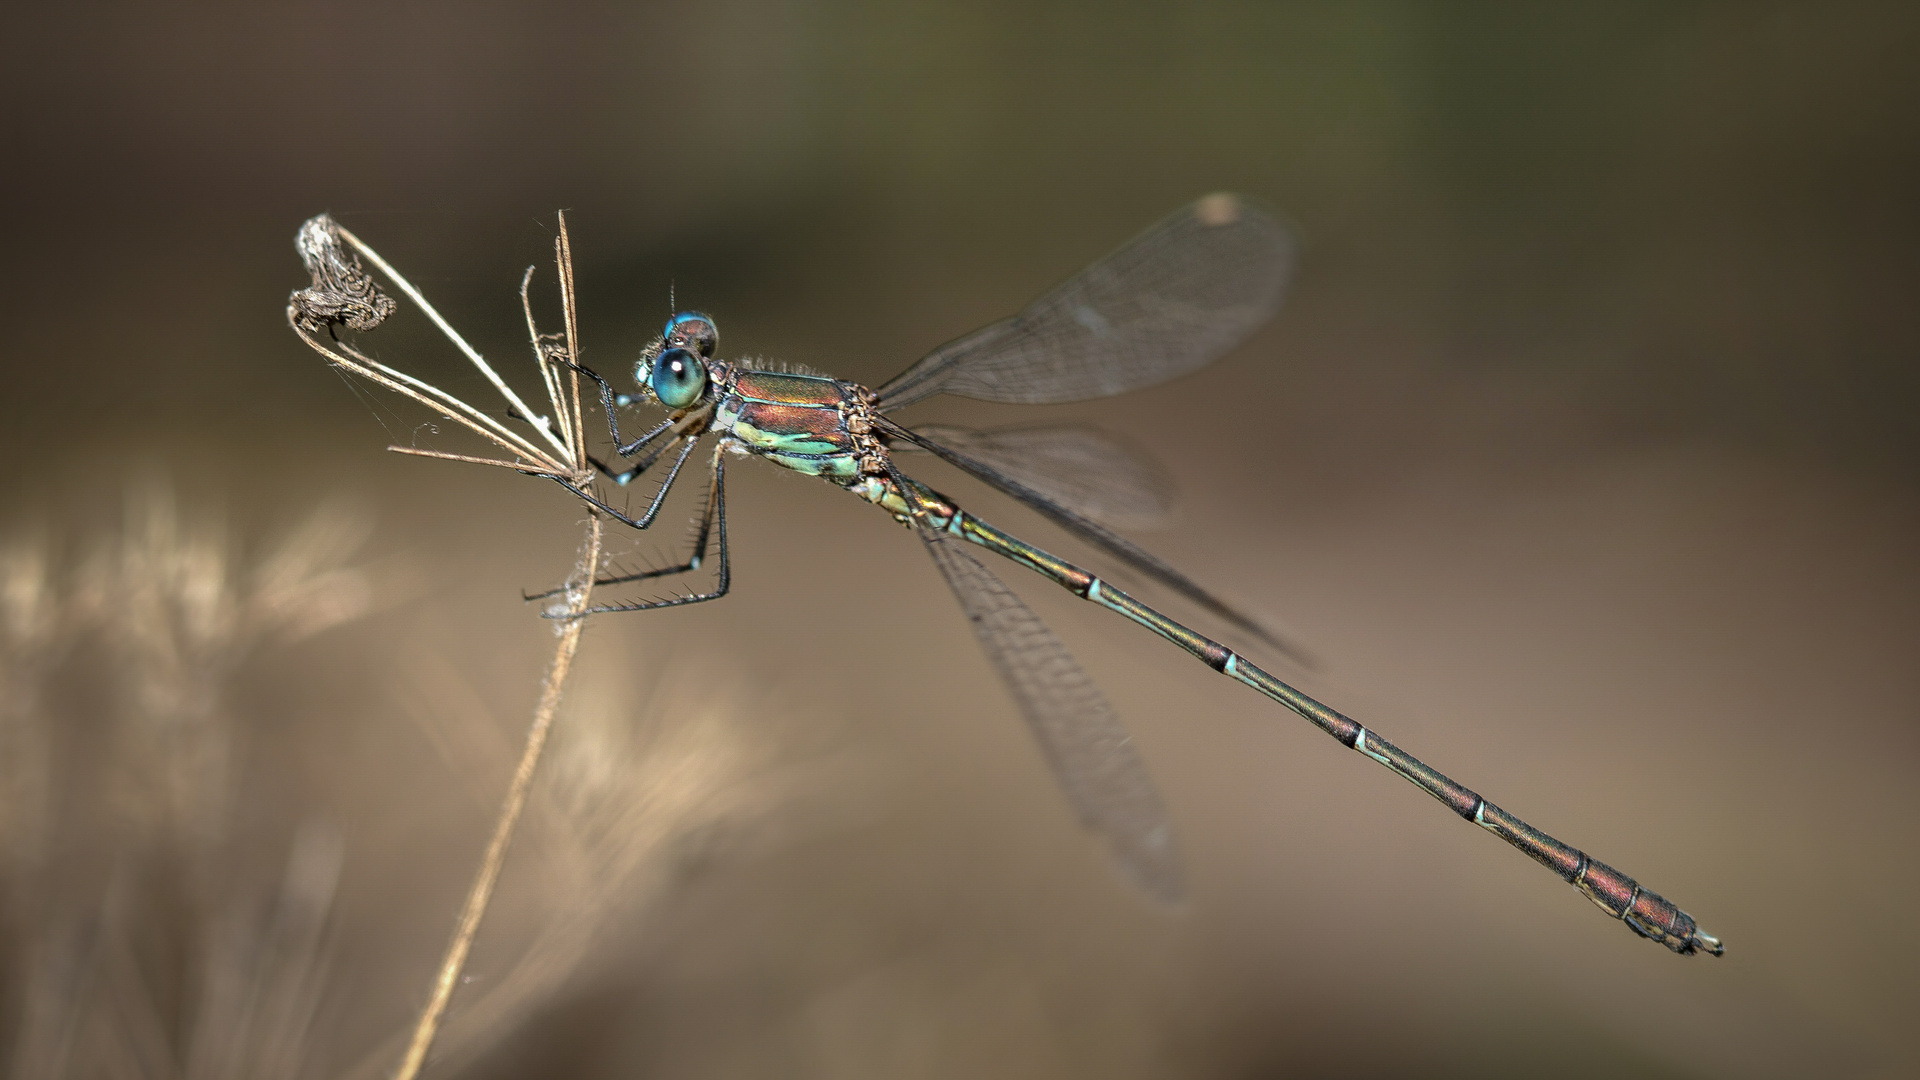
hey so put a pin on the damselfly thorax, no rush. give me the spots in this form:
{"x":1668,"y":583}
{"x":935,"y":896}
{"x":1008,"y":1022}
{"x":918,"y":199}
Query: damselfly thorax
{"x":814,"y":425}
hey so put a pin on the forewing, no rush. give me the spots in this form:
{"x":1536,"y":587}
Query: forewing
{"x":1092,"y":755}
{"x":1171,"y":301}
{"x":1084,"y":469}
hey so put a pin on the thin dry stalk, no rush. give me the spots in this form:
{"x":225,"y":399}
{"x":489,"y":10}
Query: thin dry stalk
{"x":622,"y":806}
{"x":343,"y":293}
{"x":483,"y":882}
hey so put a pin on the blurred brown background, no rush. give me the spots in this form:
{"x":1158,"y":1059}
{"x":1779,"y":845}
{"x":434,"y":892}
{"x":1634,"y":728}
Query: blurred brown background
{"x":1583,"y":455}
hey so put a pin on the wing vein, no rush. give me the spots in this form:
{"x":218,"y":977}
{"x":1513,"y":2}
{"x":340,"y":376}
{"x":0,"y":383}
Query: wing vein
{"x":1092,"y":757}
{"x":1168,"y":302}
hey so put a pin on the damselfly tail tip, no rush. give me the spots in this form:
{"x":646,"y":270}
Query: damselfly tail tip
{"x":1684,"y":937}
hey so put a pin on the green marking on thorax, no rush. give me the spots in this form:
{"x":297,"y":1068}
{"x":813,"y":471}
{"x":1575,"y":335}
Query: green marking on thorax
{"x":795,"y":421}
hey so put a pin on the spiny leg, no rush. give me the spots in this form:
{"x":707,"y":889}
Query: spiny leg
{"x":725,"y":577}
{"x":646,"y":520}
{"x":609,"y":402}
{"x":621,"y":479}
{"x":693,"y":562}
{"x":636,"y":445}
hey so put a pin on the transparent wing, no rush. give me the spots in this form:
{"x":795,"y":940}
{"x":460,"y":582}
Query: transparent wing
{"x":1092,"y":755}
{"x":1084,"y":469}
{"x":1098,"y":535}
{"x":1172,"y":300}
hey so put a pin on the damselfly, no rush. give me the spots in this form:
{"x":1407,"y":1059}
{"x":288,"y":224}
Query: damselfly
{"x":1166,"y":304}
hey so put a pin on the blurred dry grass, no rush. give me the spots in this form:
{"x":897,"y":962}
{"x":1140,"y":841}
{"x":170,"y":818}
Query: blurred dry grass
{"x":139,"y":951}
{"x":149,"y":935}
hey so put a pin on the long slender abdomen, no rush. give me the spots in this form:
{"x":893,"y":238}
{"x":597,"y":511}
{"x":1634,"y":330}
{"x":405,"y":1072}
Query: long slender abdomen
{"x":1645,"y":912}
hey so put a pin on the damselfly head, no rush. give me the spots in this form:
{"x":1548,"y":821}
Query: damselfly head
{"x":693,"y":331}
{"x":678,"y":378}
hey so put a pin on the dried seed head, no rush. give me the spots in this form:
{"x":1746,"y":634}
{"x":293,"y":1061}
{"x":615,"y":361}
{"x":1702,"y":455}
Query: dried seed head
{"x":342,"y":290}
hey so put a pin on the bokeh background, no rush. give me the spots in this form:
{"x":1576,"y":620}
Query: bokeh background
{"x":1583,"y":457}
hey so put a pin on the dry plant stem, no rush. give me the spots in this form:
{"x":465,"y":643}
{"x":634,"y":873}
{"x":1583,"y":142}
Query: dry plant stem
{"x":490,"y":864}
{"x":549,"y":376}
{"x":459,"y":342}
{"x":339,"y":284}
{"x":432,"y":397}
{"x":570,"y":462}
{"x":338,"y":277}
{"x":563,"y":259}
{"x":525,"y":467}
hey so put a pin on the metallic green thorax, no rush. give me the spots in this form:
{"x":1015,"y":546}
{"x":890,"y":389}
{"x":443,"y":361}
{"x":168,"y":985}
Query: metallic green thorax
{"x":824,"y":427}
{"x":801,"y":422}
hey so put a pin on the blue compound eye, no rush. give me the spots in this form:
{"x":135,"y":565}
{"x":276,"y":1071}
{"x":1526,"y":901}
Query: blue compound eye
{"x":691,"y":330}
{"x":679,"y":378}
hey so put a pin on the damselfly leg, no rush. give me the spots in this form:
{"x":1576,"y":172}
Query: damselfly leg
{"x":694,"y":560}
{"x":645,"y":521}
{"x":625,"y":476}
{"x":610,"y":400}
{"x":716,"y":515}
